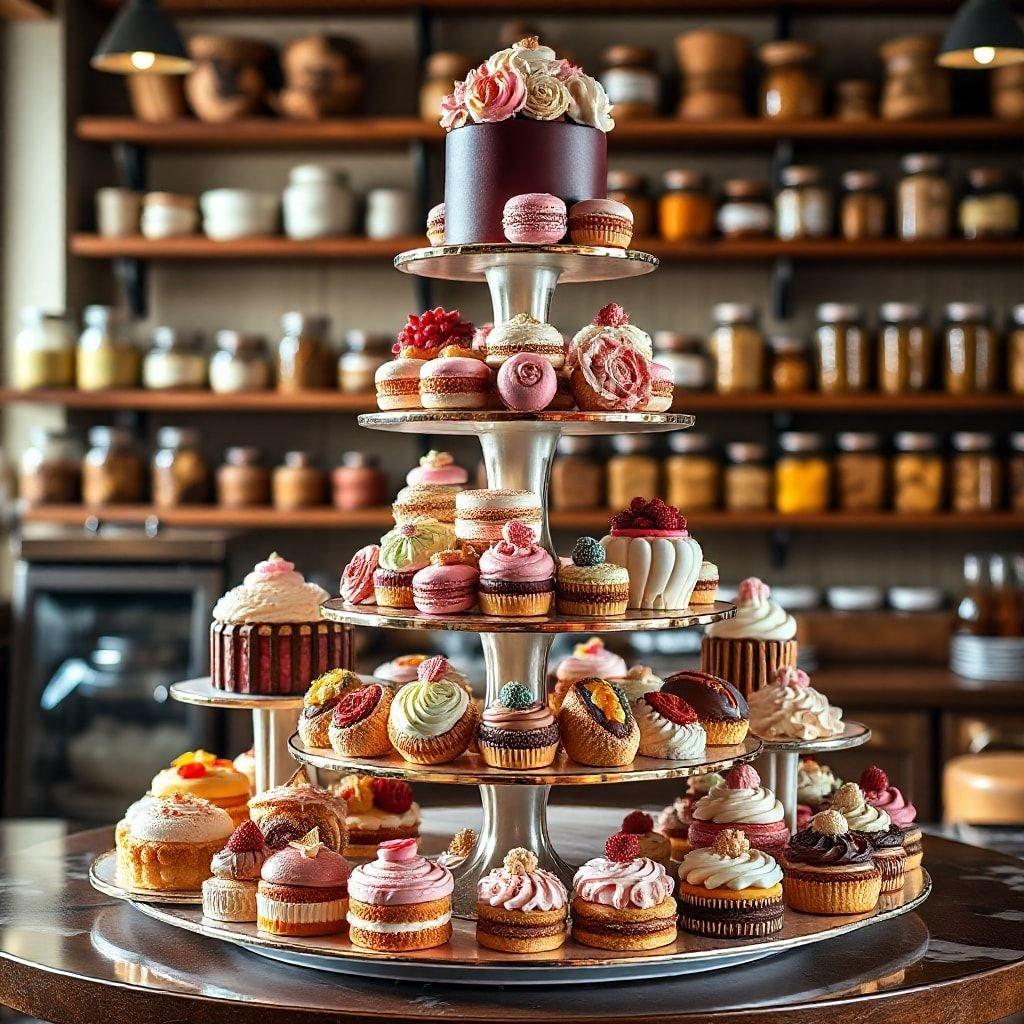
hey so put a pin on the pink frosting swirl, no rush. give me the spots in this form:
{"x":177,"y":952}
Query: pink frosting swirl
{"x":357,"y":579}
{"x":533,"y":716}
{"x":591,"y":658}
{"x":291,"y":866}
{"x":619,"y":375}
{"x":753,"y":590}
{"x":536,"y":890}
{"x":892,"y":801}
{"x":275,"y":566}
{"x":636,"y":883}
{"x":453,"y":108}
{"x":517,"y":557}
{"x":400,"y":875}
{"x":494,"y":95}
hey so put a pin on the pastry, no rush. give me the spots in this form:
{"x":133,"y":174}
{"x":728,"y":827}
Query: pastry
{"x":536,"y":218}
{"x":740,"y":802}
{"x":705,"y":590}
{"x":230,"y":893}
{"x":303,"y":889}
{"x":520,"y":907}
{"x":589,"y":585}
{"x":655,"y":845}
{"x":437,"y":469}
{"x":623,"y":900}
{"x":401,"y":670}
{"x":878,"y":793}
{"x":426,"y":333}
{"x":597,"y":725}
{"x":400,"y":901}
{"x":886,"y":837}
{"x":517,"y":575}
{"x":403,"y":552}
{"x":288,"y":812}
{"x":431,"y":488}
{"x":750,"y":648}
{"x":730,"y":891}
{"x":791,"y":709}
{"x":613,"y":321}
{"x":123,"y":828}
{"x":268,"y":636}
{"x":720,"y":707}
{"x":527,"y":382}
{"x":357,"y":579}
{"x":668,"y":727}
{"x":358,"y":725}
{"x":517,"y":731}
{"x":435,"y":225}
{"x":674,"y":820}
{"x":610,"y":375}
{"x":322,"y":697}
{"x":397,"y":384}
{"x":815,"y":784}
{"x":662,"y":389}
{"x":378,"y":810}
{"x":522,"y":333}
{"x":481,"y":514}
{"x":208,"y":777}
{"x":651,"y":540}
{"x":448,"y":585}
{"x":246,"y":764}
{"x":455,"y":381}
{"x":639,"y":680}
{"x":829,"y":869}
{"x":603,"y":222}
{"x":588,"y":660}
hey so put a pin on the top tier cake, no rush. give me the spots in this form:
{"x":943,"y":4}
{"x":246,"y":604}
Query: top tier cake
{"x":523,"y":121}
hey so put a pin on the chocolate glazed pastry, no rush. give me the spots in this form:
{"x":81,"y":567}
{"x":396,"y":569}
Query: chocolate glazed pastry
{"x":721,"y":709}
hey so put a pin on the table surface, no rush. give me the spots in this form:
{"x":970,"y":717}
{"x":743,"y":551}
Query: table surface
{"x":73,"y":955}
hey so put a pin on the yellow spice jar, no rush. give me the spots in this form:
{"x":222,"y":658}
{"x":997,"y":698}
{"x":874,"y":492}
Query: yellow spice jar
{"x":632,"y":470}
{"x":918,"y":473}
{"x":803,"y":476}
{"x":693,"y":473}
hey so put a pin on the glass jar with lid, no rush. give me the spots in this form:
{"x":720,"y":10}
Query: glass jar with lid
{"x":1015,"y":351}
{"x":791,"y":86}
{"x":693,"y":474}
{"x":439,"y":72}
{"x":685,"y":356}
{"x":50,"y":470}
{"x":924,"y":199}
{"x":803,"y":204}
{"x":630,"y":189}
{"x":685,"y":210}
{"x":803,"y":475}
{"x":1015,"y":471}
{"x":364,"y":353}
{"x":862,"y":207}
{"x":44,"y":351}
{"x":633,"y":470}
{"x":298,"y":483}
{"x":113,"y":470}
{"x":842,"y":349}
{"x":970,"y":350}
{"x":630,"y":78}
{"x":855,"y":99}
{"x":239,"y":364}
{"x":106,"y":357}
{"x":175,"y":362}
{"x":990,"y":207}
{"x":243,"y":481}
{"x":906,"y":349}
{"x":737,"y":348}
{"x":745,"y":209}
{"x":791,"y":366}
{"x":918,"y":473}
{"x":358,"y":482}
{"x":747,"y":478}
{"x":180,"y":474}
{"x":303,"y":354}
{"x":976,"y":473}
{"x":577,"y":475}
{"x":861,"y":472}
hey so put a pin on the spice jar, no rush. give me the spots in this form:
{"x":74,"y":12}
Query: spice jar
{"x":685,"y":210}
{"x":1015,"y":351}
{"x":919,"y":474}
{"x":861,"y":472}
{"x":166,"y":215}
{"x":970,"y":355}
{"x":298,"y":483}
{"x":737,"y":348}
{"x":318,"y":202}
{"x":632,"y":469}
{"x":693,"y":474}
{"x":855,"y":99}
{"x":990,"y":207}
{"x":106,"y":357}
{"x":923,"y":198}
{"x":303,"y":353}
{"x":977,"y":476}
{"x":442,"y":69}
{"x":50,"y":470}
{"x":239,"y":364}
{"x":802,"y":473}
{"x":577,"y":476}
{"x":630,"y":78}
{"x":803,"y":205}
{"x":44,"y":351}
{"x":842,"y":349}
{"x":791,"y":88}
{"x":1007,"y":88}
{"x":242,"y":481}
{"x":711,"y":64}
{"x":113,"y":471}
{"x":915,"y":86}
{"x":862,"y":208}
{"x":747,"y":479}
{"x":358,"y":482}
{"x":791,"y":366}
{"x":685,"y":357}
{"x":630,"y":189}
{"x":906,"y":349}
{"x":745,"y":209}
{"x":180,"y":475}
{"x":1015,"y":471}
{"x":364,"y":353}
{"x":175,"y":361}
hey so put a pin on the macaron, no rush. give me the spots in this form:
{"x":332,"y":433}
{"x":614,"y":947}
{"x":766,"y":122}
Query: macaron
{"x":662,"y":386}
{"x":535,"y":218}
{"x":527,"y":382}
{"x":447,"y":586}
{"x":435,"y":225}
{"x":454,"y":382}
{"x":397,"y":383}
{"x":601,"y":222}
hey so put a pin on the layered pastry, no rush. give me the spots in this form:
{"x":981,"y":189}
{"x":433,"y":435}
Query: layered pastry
{"x":358,"y":725}
{"x":288,"y":812}
{"x":610,"y":375}
{"x":356,"y":584}
{"x":536,"y":218}
{"x":662,"y":389}
{"x":590,"y":659}
{"x":830,"y":869}
{"x":456,"y":379}
{"x":400,"y":901}
{"x":721,"y":708}
{"x":246,"y":764}
{"x":886,"y":838}
{"x":517,"y":575}
{"x":397,"y":384}
{"x":523,"y":333}
{"x":303,"y":889}
{"x":602,"y":222}
{"x":637,"y":682}
{"x":322,"y":697}
{"x":379,"y":810}
{"x":730,"y":891}
{"x":481,"y":514}
{"x":750,"y":648}
{"x":791,"y":709}
{"x":589,"y":585}
{"x":740,"y":802}
{"x":517,"y":731}
{"x":652,"y":844}
{"x":669,"y":728}
{"x":449,"y":585}
{"x":425,"y":334}
{"x":613,"y":321}
{"x":401,"y":670}
{"x":527,"y":383}
{"x":597,"y":725}
{"x":623,"y":900}
{"x":674,"y":820}
{"x":268,"y":635}
{"x":705,"y":590}
{"x":209,"y":777}
{"x":663,"y":561}
{"x":879,"y":793}
{"x":230,"y":893}
{"x":430,"y":488}
{"x":520,"y":907}
{"x":403,"y":552}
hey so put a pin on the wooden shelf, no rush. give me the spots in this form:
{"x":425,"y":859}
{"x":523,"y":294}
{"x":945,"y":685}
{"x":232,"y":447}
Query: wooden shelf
{"x":270,"y":247}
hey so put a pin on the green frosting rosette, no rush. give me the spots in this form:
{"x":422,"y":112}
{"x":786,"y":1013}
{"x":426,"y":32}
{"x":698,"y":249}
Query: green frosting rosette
{"x":410,"y":544}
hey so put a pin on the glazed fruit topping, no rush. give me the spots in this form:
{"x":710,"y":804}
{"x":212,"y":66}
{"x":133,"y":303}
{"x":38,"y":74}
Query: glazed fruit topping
{"x":516,"y":696}
{"x":607,"y":699}
{"x":392,"y":795}
{"x":247,"y":838}
{"x":588,"y":552}
{"x":874,"y":780}
{"x":430,"y":331}
{"x":355,"y":705}
{"x":669,"y":706}
{"x":637,"y":823}
{"x":622,"y":847}
{"x":644,"y":514}
{"x":518,"y":534}
{"x":193,"y":770}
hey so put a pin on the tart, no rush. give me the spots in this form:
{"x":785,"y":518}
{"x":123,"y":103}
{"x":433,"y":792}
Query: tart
{"x":322,"y":697}
{"x":589,"y":585}
{"x":517,"y":731}
{"x":597,"y":725}
{"x":359,"y":722}
{"x":230,"y":893}
{"x":791,"y":709}
{"x":288,"y":812}
{"x":669,"y":727}
{"x":886,"y":837}
{"x":209,"y":777}
{"x":721,"y":708}
{"x":378,"y":810}
{"x":520,"y":907}
{"x":517,"y":575}
{"x":879,"y":793}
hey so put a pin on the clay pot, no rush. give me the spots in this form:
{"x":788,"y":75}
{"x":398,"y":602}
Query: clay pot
{"x":229,"y":80}
{"x":323,"y":77}
{"x":712,"y":65}
{"x":156,"y":99}
{"x":443,"y":70}
{"x":915,"y":86}
{"x":1007,"y":84}
{"x":705,"y":50}
{"x":791,"y":88}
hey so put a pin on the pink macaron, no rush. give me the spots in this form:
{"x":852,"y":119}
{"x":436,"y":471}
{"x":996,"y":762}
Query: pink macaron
{"x":527,"y":382}
{"x":662,"y":386}
{"x":435,"y":225}
{"x":445,"y":588}
{"x":535,"y":218}
{"x":455,"y":382}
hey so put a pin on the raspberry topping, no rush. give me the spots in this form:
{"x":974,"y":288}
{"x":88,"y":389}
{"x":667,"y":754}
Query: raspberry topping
{"x":612,"y":315}
{"x":743,"y":776}
{"x":432,"y":330}
{"x":392,"y":795}
{"x":637,"y":823}
{"x":642,"y":514}
{"x":518,"y":534}
{"x":355,"y":705}
{"x":669,"y":706}
{"x":874,"y":780}
{"x":193,"y":770}
{"x":622,"y":847}
{"x":433,"y":670}
{"x":247,"y":838}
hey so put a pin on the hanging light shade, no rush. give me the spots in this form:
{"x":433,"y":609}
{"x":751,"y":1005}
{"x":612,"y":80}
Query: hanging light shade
{"x":142,"y":39}
{"x":984,"y":34}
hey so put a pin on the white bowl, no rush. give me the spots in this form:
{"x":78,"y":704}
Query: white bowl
{"x":855,"y":599}
{"x":238,"y":213}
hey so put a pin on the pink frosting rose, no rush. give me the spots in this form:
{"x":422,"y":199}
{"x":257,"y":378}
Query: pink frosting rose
{"x":754,"y":591}
{"x":636,"y":883}
{"x":357,"y":579}
{"x":618,"y":374}
{"x":527,"y":382}
{"x":453,"y":108}
{"x":399,"y":876}
{"x":494,"y":95}
{"x":517,"y":557}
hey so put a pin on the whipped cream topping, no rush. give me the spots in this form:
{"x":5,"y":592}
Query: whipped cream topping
{"x":860,"y":815}
{"x":534,"y":890}
{"x":637,"y":681}
{"x":753,"y":806}
{"x":792,"y":709}
{"x":373,"y":819}
{"x":815,"y":783}
{"x":758,"y":616}
{"x":428,"y":709}
{"x":638,"y":883}
{"x":400,"y":876}
{"x":180,"y":819}
{"x":661,"y":737}
{"x":751,"y":870}
{"x":272,"y":592}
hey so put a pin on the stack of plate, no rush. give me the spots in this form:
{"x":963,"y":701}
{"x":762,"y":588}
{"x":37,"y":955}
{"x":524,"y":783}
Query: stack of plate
{"x":1000,"y":659}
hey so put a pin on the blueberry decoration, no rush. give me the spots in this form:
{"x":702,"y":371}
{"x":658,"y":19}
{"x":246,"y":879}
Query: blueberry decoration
{"x":516,"y":696}
{"x":588,"y":551}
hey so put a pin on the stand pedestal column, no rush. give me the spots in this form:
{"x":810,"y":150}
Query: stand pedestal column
{"x":271,"y":730}
{"x":518,"y":288}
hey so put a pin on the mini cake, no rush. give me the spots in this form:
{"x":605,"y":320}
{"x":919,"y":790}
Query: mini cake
{"x":356,"y":585}
{"x":590,"y":659}
{"x":668,"y":727}
{"x":613,"y":321}
{"x":431,"y":488}
{"x":397,"y":384}
{"x":589,"y":585}
{"x":123,"y":828}
{"x":448,"y":585}
{"x":268,"y":635}
{"x":426,"y":333}
{"x":536,"y":218}
{"x":401,"y":670}
{"x":527,"y":382}
{"x":721,"y":708}
{"x":740,"y":802}
{"x":481,"y":514}
{"x":379,"y":810}
{"x":662,"y":389}
{"x":663,"y":561}
{"x":878,"y":793}
{"x":791,"y":709}
{"x":601,"y":222}
{"x":597,"y":725}
{"x":400,"y":901}
{"x":358,"y":725}
{"x":654,"y":845}
{"x":637,"y":682}
{"x":520,"y":907}
{"x":246,"y":764}
{"x":730,"y":891}
{"x":522,"y":333}
{"x":517,"y":731}
{"x":886,"y":838}
{"x":705,"y":590}
{"x":750,"y":648}
{"x":674,"y":820}
{"x":435,"y":225}
{"x":610,"y":375}
{"x":209,"y":777}
{"x":303,"y":889}
{"x":830,"y":870}
{"x":288,"y":812}
{"x":439,"y":470}
{"x":517,"y":575}
{"x":230,"y":894}
{"x":623,"y":900}
{"x":455,"y":380}
{"x":403,"y":552}
{"x":322,"y":697}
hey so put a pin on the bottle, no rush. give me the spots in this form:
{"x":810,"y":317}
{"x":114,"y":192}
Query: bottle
{"x":577,"y":477}
{"x":632,"y":470}
{"x":973,"y":611}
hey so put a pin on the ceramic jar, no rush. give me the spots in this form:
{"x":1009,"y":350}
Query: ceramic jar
{"x":166,"y":215}
{"x":324,"y":76}
{"x":630,"y":78}
{"x":358,"y":482}
{"x":711,"y":64}
{"x":318,"y":203}
{"x":230,"y":213}
{"x":242,"y":482}
{"x":745,"y":210}
{"x":389,"y":213}
{"x":228,"y":80}
{"x":915,"y":86}
{"x":1007,"y":89}
{"x":855,"y":99}
{"x":442,"y":70}
{"x":791,"y":88}
{"x":117,"y":212}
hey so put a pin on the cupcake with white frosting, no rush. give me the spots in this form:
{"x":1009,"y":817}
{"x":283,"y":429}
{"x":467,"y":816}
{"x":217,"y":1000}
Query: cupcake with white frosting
{"x":637,"y":682}
{"x":885,"y":837}
{"x":674,"y":820}
{"x":791,"y":709}
{"x":669,"y":727}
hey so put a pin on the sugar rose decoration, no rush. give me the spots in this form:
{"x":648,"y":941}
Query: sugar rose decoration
{"x":494,"y":95}
{"x":619,"y":375}
{"x":547,"y":99}
{"x":453,"y":108}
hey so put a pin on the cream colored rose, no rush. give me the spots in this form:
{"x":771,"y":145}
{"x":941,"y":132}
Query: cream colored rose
{"x":547,"y":99}
{"x":589,"y":103}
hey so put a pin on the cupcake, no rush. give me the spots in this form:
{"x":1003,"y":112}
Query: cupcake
{"x":750,"y":648}
{"x":674,"y":820}
{"x":268,"y":636}
{"x":400,"y":901}
{"x":456,"y":379}
{"x":588,"y":660}
{"x":448,"y":585}
{"x":727,"y":890}
{"x":358,"y":725}
{"x":322,"y":697}
{"x":356,"y":585}
{"x":668,"y":727}
{"x":815,"y":784}
{"x":290,"y":811}
{"x":705,"y":590}
{"x":886,"y":838}
{"x":527,"y":382}
{"x":379,"y":810}
{"x":830,"y":870}
{"x":435,"y":225}
{"x":246,"y":764}
{"x":654,"y":845}
{"x":303,"y":889}
{"x":721,"y":708}
{"x":209,"y":777}
{"x":481,"y":514}
{"x":397,"y":384}
{"x":522,"y":333}
{"x":622,"y":900}
{"x":602,"y":222}
{"x":662,"y":389}
{"x":637,"y":682}
{"x":597,"y":726}
{"x":124,"y":827}
{"x":878,"y":793}
{"x":611,"y":320}
{"x":430,"y":489}
{"x":517,"y":576}
{"x":740,"y":802}
{"x":520,"y":907}
{"x":517,"y":731}
{"x":590,"y":586}
{"x":535,"y":218}
{"x":230,"y":893}
{"x":401,"y":670}
{"x":403,"y":552}
{"x":791,"y":709}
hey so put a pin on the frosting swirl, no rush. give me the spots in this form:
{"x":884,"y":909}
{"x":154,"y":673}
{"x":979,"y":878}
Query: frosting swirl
{"x":400,"y":876}
{"x":617,"y":373}
{"x":792,"y":709}
{"x":494,"y":94}
{"x":757,"y":617}
{"x":751,"y":870}
{"x":589,"y":103}
{"x":410,"y":544}
{"x":813,"y":848}
{"x":743,"y":805}
{"x":661,"y":737}
{"x":815,"y":783}
{"x":534,"y":716}
{"x":860,"y":815}
{"x":637,"y":681}
{"x":517,"y":557}
{"x":538,"y":889}
{"x":428,"y":709}
{"x":638,"y":883}
{"x":272,"y":592}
